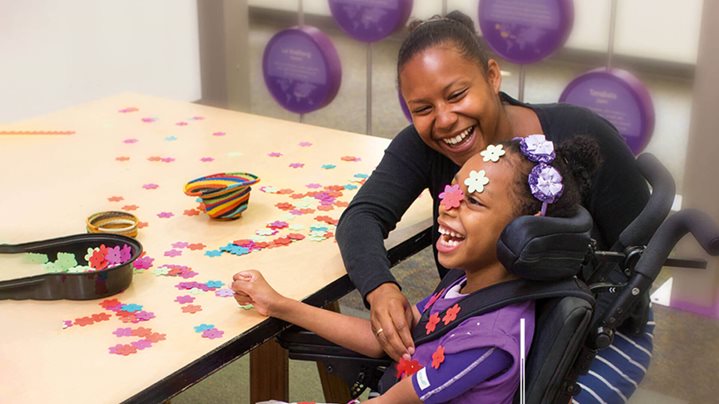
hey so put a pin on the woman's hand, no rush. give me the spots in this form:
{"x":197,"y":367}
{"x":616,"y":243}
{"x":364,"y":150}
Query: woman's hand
{"x":251,"y":288}
{"x":391,"y":313}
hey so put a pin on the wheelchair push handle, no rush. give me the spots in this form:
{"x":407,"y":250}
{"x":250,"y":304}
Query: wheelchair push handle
{"x":696,"y":222}
{"x":640,"y":230}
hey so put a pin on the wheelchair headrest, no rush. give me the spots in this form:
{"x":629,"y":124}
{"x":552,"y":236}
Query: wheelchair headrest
{"x":545,"y":248}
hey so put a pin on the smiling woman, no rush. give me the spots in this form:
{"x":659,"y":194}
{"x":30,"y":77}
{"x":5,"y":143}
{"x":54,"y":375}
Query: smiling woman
{"x":452,"y":90}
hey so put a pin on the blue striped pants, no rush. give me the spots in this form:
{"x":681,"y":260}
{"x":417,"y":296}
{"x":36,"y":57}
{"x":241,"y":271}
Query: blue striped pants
{"x":618,"y":369}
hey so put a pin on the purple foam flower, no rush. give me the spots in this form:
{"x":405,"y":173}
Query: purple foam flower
{"x":144,"y":315}
{"x":142,"y":344}
{"x":545,"y":182}
{"x":212,"y":333}
{"x":123,"y":332}
{"x":173,"y":253}
{"x":184,"y":299}
{"x":537,"y":148}
{"x":143,"y":262}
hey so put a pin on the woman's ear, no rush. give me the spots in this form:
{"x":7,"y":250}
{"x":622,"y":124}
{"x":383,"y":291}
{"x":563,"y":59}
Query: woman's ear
{"x":494,"y":75}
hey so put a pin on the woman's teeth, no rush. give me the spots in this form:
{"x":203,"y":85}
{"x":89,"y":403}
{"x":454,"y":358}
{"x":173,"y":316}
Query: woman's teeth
{"x":459,"y":138}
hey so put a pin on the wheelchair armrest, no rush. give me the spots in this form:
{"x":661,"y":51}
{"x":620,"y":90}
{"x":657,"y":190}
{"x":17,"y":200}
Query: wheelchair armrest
{"x":306,"y":345}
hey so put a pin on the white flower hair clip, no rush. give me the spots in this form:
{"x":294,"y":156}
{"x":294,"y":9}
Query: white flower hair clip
{"x":493,"y":153}
{"x":476,"y":181}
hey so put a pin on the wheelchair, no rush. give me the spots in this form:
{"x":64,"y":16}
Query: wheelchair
{"x":560,"y":267}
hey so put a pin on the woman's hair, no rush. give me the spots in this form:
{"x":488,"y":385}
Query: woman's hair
{"x":455,"y":28}
{"x":577,"y":159}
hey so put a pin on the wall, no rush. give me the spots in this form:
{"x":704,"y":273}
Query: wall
{"x":59,"y":53}
{"x":665,"y":30}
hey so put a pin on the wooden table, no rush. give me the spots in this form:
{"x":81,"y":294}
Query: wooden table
{"x":122,"y":147}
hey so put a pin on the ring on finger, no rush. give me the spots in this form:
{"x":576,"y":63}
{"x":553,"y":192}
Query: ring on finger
{"x":378,"y":332}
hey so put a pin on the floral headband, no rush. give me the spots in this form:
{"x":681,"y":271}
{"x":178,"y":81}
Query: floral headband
{"x":545,"y":182}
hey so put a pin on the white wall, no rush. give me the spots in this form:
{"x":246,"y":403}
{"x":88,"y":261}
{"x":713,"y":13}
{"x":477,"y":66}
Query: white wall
{"x":57,"y":53}
{"x":665,"y":30}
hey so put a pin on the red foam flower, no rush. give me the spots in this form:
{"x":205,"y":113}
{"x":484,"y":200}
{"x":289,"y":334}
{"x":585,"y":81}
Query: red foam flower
{"x":406,"y":368}
{"x":284,"y":206}
{"x":83,"y":321}
{"x":97,"y":260}
{"x":438,"y":357}
{"x":141,"y":332}
{"x":451,"y":314}
{"x":432,"y":323}
{"x":282,"y":241}
{"x":191,"y":212}
{"x":191,"y":308}
{"x":155,"y":337}
{"x":451,"y":197}
{"x":105,"y":304}
{"x":97,"y":317}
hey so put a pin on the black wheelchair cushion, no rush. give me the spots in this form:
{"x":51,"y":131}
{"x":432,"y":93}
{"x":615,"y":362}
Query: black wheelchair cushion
{"x":545,"y":248}
{"x":564,"y":324}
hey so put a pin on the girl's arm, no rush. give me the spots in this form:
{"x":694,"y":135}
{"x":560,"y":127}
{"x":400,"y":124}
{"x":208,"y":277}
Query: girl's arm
{"x":349,"y":332}
{"x":400,"y":393}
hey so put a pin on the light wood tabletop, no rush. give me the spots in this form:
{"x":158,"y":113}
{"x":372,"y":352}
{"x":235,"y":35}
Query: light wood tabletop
{"x":135,"y":153}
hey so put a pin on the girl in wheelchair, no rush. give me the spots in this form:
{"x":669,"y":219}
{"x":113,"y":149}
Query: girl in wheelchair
{"x":476,"y":359}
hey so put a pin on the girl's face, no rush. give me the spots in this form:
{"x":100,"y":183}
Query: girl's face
{"x":469,"y":233}
{"x":454,"y":104}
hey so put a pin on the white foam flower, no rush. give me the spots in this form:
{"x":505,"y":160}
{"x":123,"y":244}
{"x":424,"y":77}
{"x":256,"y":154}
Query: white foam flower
{"x":493,"y":153}
{"x":476,"y":181}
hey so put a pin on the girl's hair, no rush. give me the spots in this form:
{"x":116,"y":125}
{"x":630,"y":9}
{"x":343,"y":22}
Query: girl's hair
{"x":577,"y":159}
{"x":455,"y":28}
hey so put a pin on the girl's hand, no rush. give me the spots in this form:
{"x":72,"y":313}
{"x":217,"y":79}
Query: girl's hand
{"x":251,"y":288}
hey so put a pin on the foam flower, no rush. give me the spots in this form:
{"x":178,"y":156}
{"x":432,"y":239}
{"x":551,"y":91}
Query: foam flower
{"x":537,"y":148}
{"x":451,"y":314}
{"x":438,"y":357}
{"x":406,"y":368}
{"x":476,"y":181}
{"x":432,"y":299}
{"x":432,"y":323}
{"x":545,"y":182}
{"x":493,"y":153}
{"x":451,"y":197}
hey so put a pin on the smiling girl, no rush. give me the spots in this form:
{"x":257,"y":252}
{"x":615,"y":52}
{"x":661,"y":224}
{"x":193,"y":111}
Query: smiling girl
{"x":478,"y":361}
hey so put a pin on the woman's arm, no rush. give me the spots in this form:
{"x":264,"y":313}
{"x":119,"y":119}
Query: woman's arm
{"x":396,"y":182}
{"x":402,"y":174}
{"x":349,"y":332}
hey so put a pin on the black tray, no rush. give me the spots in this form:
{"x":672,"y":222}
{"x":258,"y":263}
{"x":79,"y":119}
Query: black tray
{"x":73,"y":286}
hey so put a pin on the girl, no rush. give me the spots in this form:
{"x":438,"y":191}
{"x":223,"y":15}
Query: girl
{"x":453,"y":93}
{"x":478,"y":361}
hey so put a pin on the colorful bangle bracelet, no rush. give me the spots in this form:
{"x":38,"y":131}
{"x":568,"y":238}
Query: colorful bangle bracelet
{"x":225,"y":195}
{"x":113,"y":222}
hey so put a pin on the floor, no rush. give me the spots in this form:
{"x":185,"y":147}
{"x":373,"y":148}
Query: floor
{"x":685,"y":355}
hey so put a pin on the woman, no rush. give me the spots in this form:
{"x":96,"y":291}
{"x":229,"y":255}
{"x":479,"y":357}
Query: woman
{"x":453,"y":93}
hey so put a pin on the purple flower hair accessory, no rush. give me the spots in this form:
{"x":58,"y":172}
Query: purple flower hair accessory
{"x":537,"y":148}
{"x":545,"y":182}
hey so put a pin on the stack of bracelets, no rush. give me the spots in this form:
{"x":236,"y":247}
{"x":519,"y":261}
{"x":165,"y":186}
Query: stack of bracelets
{"x":113,"y":222}
{"x":223,"y":196}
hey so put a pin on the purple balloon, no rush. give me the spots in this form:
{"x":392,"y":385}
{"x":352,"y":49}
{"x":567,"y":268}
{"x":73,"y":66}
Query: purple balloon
{"x":525,"y":31}
{"x":302,"y":69}
{"x":370,"y":20}
{"x":620,"y":98}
